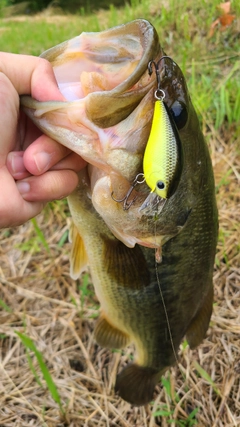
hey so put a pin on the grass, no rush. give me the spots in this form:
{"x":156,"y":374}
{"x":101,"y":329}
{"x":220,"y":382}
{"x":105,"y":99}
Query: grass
{"x":30,"y":346}
{"x":56,"y":314}
{"x":167,"y":411}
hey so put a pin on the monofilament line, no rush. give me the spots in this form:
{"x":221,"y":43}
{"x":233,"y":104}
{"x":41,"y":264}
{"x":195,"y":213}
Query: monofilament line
{"x":161,"y":295}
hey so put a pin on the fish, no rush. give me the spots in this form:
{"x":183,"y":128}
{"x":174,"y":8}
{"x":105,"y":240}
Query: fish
{"x":151,"y":263}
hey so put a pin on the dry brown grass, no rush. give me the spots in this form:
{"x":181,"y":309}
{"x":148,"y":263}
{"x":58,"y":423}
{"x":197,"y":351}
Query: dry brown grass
{"x":44,"y":303}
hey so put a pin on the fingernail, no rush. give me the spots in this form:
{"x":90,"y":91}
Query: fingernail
{"x":43,"y":161}
{"x":16,"y":162}
{"x":23,"y":187}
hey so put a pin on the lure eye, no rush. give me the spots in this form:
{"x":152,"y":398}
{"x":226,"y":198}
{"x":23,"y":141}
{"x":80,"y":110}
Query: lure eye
{"x":160,"y":185}
{"x":179,"y":113}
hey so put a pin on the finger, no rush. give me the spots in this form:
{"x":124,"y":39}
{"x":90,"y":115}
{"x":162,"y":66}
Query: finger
{"x":42,"y":154}
{"x":73,"y":161}
{"x":34,"y":71}
{"x":14,"y":210}
{"x":16,"y":165}
{"x":28,"y":132}
{"x":9,"y":106}
{"x":45,"y":153}
{"x":50,"y":186}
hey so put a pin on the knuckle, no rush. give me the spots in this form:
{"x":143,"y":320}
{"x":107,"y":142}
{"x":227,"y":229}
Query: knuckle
{"x":45,"y":66}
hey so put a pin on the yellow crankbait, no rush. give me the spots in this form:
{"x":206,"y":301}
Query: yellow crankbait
{"x":161,"y":161}
{"x":161,"y":157}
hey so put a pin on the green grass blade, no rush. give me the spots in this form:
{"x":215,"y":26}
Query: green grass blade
{"x":28,"y":343}
{"x":40,"y":234}
{"x":5,"y":306}
{"x":206,"y":377}
{"x":63,"y":239}
{"x":30,"y":363}
{"x":162,"y":413}
{"x":193,"y":413}
{"x":167,"y":385}
{"x":236,"y":107}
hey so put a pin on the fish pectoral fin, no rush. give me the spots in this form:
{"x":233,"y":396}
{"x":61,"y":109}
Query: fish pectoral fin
{"x":136,"y":384}
{"x":108,"y":336}
{"x":199,"y":325}
{"x":78,"y":256}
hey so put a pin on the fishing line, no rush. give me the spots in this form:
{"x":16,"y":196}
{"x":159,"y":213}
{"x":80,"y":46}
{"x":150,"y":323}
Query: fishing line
{"x":161,"y":295}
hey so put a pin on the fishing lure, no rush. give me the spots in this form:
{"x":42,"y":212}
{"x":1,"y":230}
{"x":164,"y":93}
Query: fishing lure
{"x":161,"y":159}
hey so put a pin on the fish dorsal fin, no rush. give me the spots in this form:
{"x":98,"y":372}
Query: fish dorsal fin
{"x":127,"y":266}
{"x":78,"y":256}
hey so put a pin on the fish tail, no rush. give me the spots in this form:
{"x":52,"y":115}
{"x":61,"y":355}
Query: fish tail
{"x":136,"y":384}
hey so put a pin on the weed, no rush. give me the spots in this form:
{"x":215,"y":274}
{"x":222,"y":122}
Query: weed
{"x":5,"y":306}
{"x":206,"y":377}
{"x":30,"y":346}
{"x":40,"y":234}
{"x":224,"y":180}
{"x":3,"y":336}
{"x":87,"y":295}
{"x":63,"y":239}
{"x":168,"y":411}
{"x":86,"y":292}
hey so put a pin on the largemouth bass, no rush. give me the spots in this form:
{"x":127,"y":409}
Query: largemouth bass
{"x":151,"y":263}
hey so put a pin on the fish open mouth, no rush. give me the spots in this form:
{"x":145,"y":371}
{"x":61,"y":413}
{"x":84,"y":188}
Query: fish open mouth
{"x":111,"y":64}
{"x":86,"y":71}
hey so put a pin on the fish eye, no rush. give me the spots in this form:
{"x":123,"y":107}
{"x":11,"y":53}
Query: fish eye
{"x":179,"y":113}
{"x":160,"y":185}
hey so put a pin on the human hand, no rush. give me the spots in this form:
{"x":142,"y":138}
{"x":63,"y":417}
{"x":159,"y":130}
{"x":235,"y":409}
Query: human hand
{"x":34,"y":169}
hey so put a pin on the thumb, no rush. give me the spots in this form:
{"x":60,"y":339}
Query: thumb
{"x":9,"y":110}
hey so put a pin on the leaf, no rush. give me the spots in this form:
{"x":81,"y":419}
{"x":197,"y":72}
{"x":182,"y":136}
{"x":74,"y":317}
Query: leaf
{"x":225,"y":19}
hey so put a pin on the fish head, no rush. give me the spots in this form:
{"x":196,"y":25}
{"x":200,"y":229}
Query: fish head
{"x":104,"y":78}
{"x":106,"y":119}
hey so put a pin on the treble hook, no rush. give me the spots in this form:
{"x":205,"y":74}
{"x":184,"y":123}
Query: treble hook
{"x":126,"y":204}
{"x":159,"y":93}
